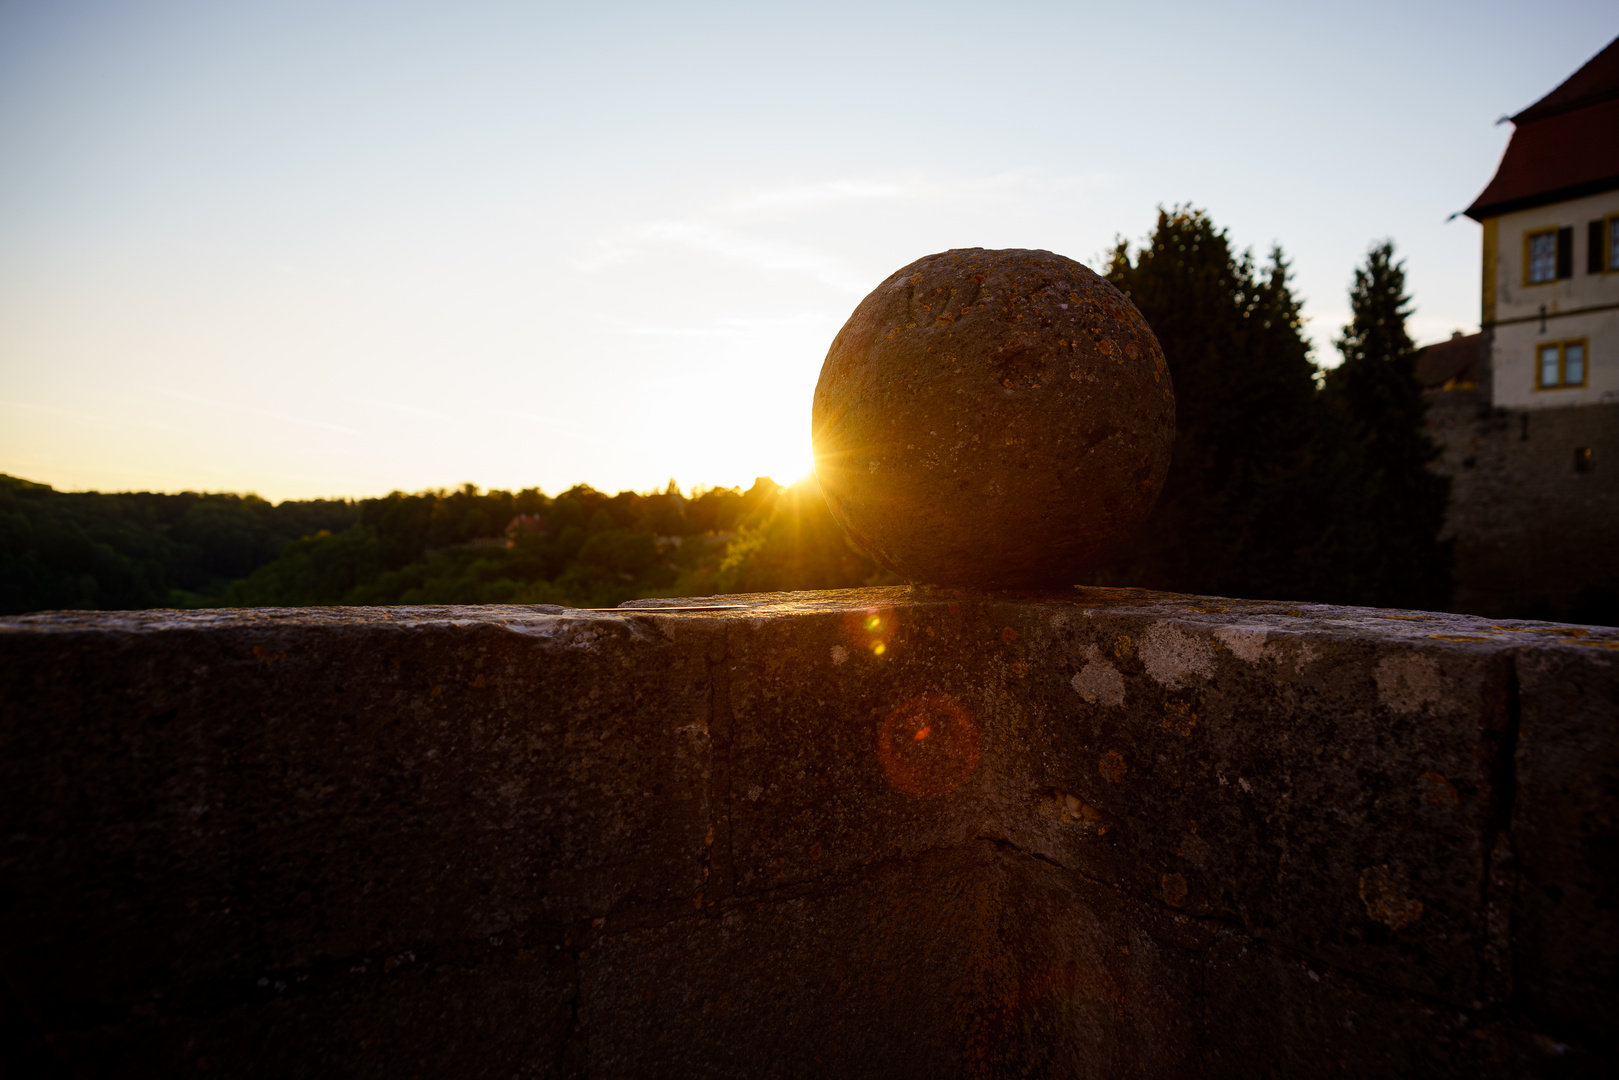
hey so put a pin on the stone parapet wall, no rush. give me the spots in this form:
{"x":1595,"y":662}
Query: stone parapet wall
{"x":895,"y":832}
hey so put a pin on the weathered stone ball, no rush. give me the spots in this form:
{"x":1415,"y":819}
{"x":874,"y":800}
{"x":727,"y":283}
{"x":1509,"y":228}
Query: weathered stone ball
{"x":997,"y":419}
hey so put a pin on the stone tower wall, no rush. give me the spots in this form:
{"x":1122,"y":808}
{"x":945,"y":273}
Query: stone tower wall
{"x":1534,"y":536}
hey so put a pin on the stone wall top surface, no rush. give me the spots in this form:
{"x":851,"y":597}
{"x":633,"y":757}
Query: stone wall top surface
{"x":1212,"y":611}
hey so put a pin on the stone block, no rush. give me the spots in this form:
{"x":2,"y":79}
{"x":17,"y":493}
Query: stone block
{"x":1565,"y":833}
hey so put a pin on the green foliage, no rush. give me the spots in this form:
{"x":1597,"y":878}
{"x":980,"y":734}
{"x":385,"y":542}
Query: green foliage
{"x":1278,"y":490}
{"x":1399,"y":560}
{"x":786,"y":539}
{"x":1242,"y":511}
{"x":139,"y":549}
{"x":320,"y":569}
{"x":582,"y":549}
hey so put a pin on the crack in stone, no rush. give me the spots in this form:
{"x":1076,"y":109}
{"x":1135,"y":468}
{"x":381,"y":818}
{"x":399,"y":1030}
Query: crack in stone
{"x":1007,"y":845}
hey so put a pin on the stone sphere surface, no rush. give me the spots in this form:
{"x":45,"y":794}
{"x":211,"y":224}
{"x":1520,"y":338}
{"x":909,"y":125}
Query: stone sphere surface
{"x":999,"y":419}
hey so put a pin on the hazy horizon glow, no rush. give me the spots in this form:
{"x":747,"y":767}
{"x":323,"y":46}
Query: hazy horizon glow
{"x":312,"y":250}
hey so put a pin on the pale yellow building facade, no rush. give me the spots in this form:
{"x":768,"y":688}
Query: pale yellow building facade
{"x":1555,"y":339}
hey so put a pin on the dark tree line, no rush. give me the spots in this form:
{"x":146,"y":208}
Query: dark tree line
{"x":1376,"y":395}
{"x":140,"y":549}
{"x":583,"y":548}
{"x":1287,"y":483}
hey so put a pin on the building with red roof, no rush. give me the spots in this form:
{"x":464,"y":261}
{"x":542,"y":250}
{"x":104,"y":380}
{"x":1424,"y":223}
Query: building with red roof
{"x":1526,"y":412}
{"x":1550,"y":217}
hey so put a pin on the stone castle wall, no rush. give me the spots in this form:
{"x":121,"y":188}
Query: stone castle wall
{"x":884,"y":832}
{"x":1534,"y":536}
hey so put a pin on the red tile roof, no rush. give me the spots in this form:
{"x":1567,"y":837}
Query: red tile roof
{"x":1449,"y":365}
{"x":1565,"y":145}
{"x":1597,"y":81}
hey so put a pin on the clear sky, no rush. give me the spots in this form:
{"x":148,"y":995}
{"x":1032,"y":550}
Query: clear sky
{"x":339,"y":248}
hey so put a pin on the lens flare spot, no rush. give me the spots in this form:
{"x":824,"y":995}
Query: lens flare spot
{"x":929,"y":746}
{"x":871,"y":629}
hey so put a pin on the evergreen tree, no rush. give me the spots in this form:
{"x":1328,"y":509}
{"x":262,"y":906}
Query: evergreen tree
{"x":1400,"y":561}
{"x":1246,"y":509}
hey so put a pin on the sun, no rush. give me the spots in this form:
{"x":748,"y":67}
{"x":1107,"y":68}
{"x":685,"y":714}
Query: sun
{"x":736,"y":423}
{"x":785,"y":455}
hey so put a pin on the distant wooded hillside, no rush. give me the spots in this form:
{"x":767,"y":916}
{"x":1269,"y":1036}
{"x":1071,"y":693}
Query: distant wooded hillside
{"x":582,"y":548}
{"x":141,"y":549}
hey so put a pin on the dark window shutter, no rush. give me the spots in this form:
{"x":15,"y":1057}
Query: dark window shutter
{"x":1565,"y":252}
{"x":1593,"y":248}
